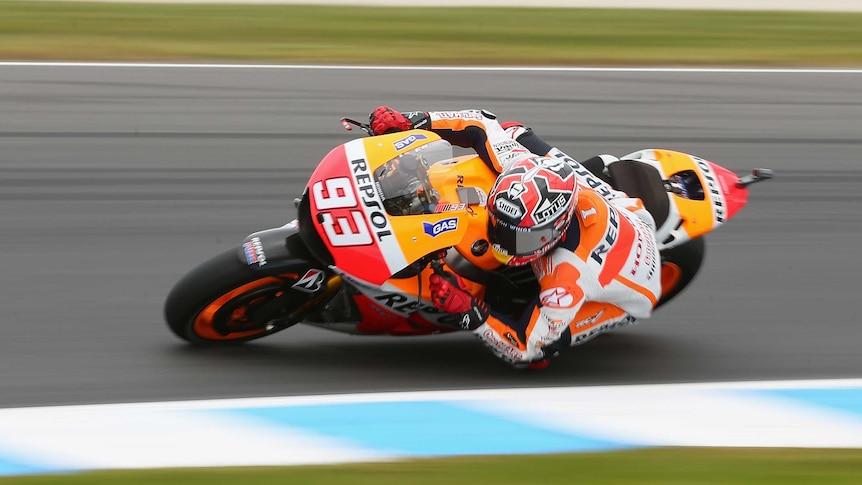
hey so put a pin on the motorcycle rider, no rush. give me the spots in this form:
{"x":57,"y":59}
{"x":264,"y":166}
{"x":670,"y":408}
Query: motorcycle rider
{"x":592,"y":248}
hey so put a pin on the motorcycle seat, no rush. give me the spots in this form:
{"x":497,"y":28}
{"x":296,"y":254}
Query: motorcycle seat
{"x":638,"y":179}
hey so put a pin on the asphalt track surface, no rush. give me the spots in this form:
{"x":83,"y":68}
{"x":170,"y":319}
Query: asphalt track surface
{"x":116,"y":181}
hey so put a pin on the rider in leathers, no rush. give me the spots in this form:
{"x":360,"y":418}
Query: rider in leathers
{"x":600,"y":271}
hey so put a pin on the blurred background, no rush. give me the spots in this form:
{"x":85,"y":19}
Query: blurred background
{"x":116,"y":180}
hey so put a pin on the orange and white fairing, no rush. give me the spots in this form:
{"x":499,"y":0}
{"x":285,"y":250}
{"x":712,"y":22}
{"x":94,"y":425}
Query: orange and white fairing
{"x":715,"y":198}
{"x":371,"y":243}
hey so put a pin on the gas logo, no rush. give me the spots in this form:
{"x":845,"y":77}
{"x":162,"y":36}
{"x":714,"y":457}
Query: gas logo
{"x":406,"y":142}
{"x":438,"y":228}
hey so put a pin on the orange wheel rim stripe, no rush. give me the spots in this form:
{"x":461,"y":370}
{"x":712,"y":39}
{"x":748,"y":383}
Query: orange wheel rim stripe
{"x":203,"y":326}
{"x":670,"y":275}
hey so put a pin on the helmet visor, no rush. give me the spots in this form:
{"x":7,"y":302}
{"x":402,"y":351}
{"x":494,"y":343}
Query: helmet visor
{"x":516,"y":241}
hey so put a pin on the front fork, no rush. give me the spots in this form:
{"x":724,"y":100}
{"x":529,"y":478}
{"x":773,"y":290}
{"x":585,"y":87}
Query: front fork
{"x":282,"y":248}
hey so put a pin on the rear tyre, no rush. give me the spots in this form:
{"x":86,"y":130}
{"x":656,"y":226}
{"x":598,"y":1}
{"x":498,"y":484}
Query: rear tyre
{"x":224,"y":301}
{"x":679,"y":267}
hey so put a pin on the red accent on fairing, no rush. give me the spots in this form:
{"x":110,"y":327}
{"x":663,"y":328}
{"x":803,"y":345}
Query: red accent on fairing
{"x":365,"y":261}
{"x":379,"y":320}
{"x":736,"y":197}
{"x":421,"y":326}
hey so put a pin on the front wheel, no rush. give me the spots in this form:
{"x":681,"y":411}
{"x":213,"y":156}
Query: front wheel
{"x":224,"y":301}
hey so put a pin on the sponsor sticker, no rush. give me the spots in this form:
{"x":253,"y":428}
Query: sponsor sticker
{"x":404,"y":305}
{"x":589,"y":334}
{"x":254,"y":252}
{"x":406,"y":142}
{"x":586,"y":213}
{"x":310,"y":282}
{"x":556,"y":298}
{"x":718,"y":202}
{"x":501,"y":346}
{"x":505,"y":146}
{"x":590,"y":320}
{"x":371,"y":202}
{"x":458,"y":115}
{"x":511,"y":338}
{"x":438,"y":228}
{"x":507,"y":208}
{"x":549,"y":209}
{"x":506,"y":159}
{"x":601,"y":250}
{"x":449,"y":207}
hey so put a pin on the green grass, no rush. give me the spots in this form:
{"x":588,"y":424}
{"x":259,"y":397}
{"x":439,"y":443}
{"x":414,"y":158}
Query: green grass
{"x":485,"y":36}
{"x":640,"y":467}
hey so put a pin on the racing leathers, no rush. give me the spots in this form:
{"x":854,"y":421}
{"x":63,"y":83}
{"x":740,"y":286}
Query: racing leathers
{"x":603,"y":274}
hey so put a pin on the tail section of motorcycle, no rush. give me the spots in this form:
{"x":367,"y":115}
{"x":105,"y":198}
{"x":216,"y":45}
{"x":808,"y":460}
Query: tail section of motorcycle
{"x":688,"y":197}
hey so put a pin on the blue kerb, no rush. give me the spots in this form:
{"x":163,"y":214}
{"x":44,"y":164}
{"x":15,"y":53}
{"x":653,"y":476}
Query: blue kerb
{"x":424,"y":428}
{"x":10,"y":466}
{"x":848,"y":400}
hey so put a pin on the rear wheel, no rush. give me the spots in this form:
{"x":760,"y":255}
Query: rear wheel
{"x":679,"y":267}
{"x":224,"y":301}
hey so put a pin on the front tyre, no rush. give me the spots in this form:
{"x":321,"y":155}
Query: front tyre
{"x":224,"y":301}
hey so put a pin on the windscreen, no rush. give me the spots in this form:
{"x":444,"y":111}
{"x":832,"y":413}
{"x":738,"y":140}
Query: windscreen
{"x":404,"y":183}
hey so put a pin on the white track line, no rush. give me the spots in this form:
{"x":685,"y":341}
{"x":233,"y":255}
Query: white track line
{"x":311,"y":67}
{"x":402,"y":396}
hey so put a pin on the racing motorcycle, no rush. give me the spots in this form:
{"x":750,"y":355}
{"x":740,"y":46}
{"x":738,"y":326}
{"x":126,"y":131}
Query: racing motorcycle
{"x":381,"y":214}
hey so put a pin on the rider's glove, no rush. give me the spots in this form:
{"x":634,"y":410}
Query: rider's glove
{"x":386,"y":120}
{"x":450,"y":295}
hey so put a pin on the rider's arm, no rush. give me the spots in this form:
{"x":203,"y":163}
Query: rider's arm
{"x":528,"y":138}
{"x":514,"y":341}
{"x":543,"y":330}
{"x":472,"y":128}
{"x":493,"y":142}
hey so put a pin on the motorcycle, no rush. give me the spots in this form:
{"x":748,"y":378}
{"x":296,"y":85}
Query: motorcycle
{"x":381,"y":214}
